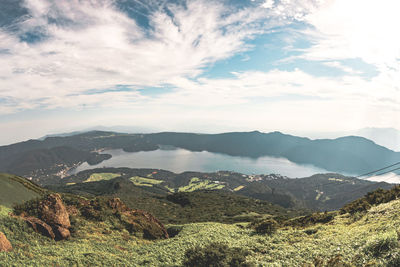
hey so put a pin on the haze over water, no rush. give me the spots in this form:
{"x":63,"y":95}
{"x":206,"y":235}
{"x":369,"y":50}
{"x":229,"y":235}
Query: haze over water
{"x":180,"y":160}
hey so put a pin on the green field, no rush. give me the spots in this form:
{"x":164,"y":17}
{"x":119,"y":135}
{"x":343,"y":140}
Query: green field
{"x":240,"y":187}
{"x":13,"y":191}
{"x":198,"y":184}
{"x":141,"y":181}
{"x":101,"y":176}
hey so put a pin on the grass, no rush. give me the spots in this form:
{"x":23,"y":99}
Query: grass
{"x":370,"y":240}
{"x":16,"y":190}
{"x":240,"y":187}
{"x":101,"y":176}
{"x":198,"y":184}
{"x":141,"y":181}
{"x":4,"y":211}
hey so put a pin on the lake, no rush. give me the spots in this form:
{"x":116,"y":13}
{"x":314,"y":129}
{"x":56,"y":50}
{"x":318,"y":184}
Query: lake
{"x":180,"y":160}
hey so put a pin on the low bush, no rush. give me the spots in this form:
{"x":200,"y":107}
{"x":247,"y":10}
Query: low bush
{"x":376,"y":197}
{"x":311,"y":219}
{"x":382,"y":244}
{"x":215,"y":255}
{"x":394,"y":260}
{"x":179,"y":198}
{"x":174,"y":230}
{"x":267,"y":226}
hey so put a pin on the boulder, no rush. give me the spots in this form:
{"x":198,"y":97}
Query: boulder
{"x":61,"y":233}
{"x":117,"y":205}
{"x":53,"y":218}
{"x":53,"y":211}
{"x":5,"y":245}
{"x":142,"y":221}
{"x":40,"y":226}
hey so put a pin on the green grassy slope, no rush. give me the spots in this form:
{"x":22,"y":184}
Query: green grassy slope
{"x":15,"y":190}
{"x":370,"y":238}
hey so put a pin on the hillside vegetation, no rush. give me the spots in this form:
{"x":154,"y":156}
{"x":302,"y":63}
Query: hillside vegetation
{"x":318,"y":192}
{"x":16,"y":190}
{"x":366,"y":238}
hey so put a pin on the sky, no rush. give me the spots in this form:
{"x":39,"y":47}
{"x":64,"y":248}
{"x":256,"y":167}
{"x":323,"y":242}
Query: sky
{"x":198,"y":65}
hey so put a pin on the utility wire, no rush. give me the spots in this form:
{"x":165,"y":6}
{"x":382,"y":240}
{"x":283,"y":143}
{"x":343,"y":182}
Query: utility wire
{"x":387,"y":171}
{"x":368,"y":173}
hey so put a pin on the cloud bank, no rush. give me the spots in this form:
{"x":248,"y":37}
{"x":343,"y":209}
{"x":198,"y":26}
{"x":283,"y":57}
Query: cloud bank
{"x":82,"y":55}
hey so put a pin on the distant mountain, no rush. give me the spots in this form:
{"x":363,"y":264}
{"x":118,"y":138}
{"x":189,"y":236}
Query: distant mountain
{"x":387,"y":137}
{"x":39,"y":162}
{"x":100,"y":128}
{"x":350,"y":155}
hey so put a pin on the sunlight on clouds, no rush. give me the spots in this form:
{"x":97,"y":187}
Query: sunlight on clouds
{"x":366,"y":29}
{"x":93,"y":45}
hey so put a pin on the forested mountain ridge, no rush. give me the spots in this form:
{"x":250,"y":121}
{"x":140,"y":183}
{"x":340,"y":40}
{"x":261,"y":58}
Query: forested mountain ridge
{"x":351,"y":154}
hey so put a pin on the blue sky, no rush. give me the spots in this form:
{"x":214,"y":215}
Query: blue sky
{"x":198,"y":65}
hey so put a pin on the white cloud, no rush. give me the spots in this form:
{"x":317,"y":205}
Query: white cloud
{"x":95,"y":46}
{"x":268,"y":4}
{"x":365,"y":29}
{"x":391,"y":178}
{"x":338,"y":65}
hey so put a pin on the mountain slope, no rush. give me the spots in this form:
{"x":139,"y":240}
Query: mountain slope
{"x":349,"y":154}
{"x":318,"y":192}
{"x":368,"y":238}
{"x":16,"y":190}
{"x":388,"y":137}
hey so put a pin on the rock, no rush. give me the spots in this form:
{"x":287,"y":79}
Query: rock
{"x":72,"y":210}
{"x":61,"y":233}
{"x":40,"y":226}
{"x":53,"y":211}
{"x":142,"y":221}
{"x":117,"y":205}
{"x":5,"y":245}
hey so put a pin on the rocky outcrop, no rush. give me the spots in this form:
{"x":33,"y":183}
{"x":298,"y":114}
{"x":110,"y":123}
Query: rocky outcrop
{"x":53,"y":211}
{"x":40,"y":226}
{"x":117,"y":205}
{"x":135,"y":221}
{"x":142,"y":221}
{"x":5,"y":245}
{"x":61,"y":233}
{"x":53,"y":218}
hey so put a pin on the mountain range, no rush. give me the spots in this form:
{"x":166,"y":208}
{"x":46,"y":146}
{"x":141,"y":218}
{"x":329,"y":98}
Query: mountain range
{"x":46,"y":160}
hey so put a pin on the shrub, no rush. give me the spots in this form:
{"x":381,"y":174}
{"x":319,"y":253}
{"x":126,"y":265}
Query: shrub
{"x":311,"y":219}
{"x":311,"y":231}
{"x":267,"y":226}
{"x":30,"y":207}
{"x":357,"y":206}
{"x":215,"y":255}
{"x":337,"y":261}
{"x":174,"y":230}
{"x":179,"y":198}
{"x":382,"y":244}
{"x":376,"y":197}
{"x":394,"y":260}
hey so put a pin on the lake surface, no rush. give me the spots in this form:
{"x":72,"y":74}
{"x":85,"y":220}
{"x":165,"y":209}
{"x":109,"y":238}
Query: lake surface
{"x":180,"y":160}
